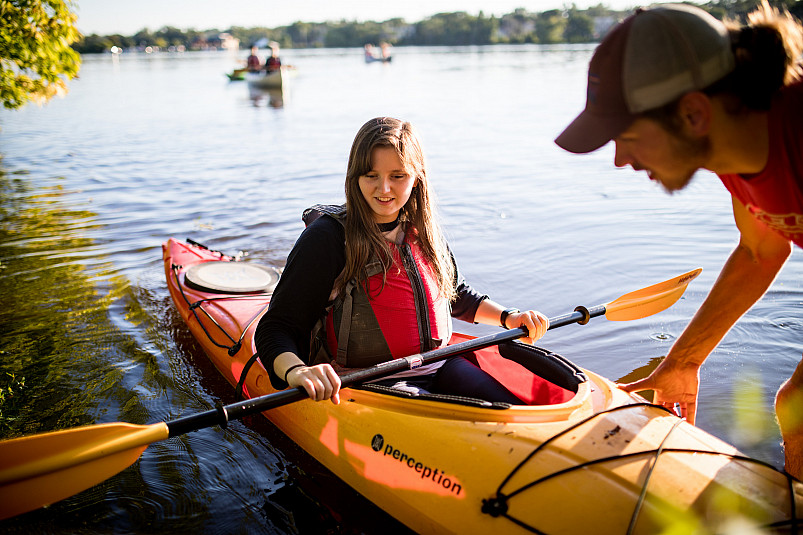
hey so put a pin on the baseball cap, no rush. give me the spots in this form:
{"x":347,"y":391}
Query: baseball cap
{"x":648,"y":60}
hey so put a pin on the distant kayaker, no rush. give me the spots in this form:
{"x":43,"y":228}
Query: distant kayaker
{"x":385,"y":48}
{"x":273,"y":63}
{"x":678,"y":91}
{"x":253,"y":62}
{"x":378,"y":275}
{"x":370,"y":55}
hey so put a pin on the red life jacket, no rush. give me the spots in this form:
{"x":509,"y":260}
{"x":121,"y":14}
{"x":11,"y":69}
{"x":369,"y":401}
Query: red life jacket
{"x":273,"y":64}
{"x":370,"y":323}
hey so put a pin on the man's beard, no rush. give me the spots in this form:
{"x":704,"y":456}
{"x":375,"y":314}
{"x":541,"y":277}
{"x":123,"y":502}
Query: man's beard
{"x":684,"y":148}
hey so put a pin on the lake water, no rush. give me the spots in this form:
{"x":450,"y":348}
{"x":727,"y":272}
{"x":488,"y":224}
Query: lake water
{"x":148,"y":147}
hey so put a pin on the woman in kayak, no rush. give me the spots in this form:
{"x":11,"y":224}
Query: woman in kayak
{"x":374,"y":280}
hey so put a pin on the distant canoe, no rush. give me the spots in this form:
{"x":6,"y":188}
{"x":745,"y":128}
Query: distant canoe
{"x":372,"y":59}
{"x":273,"y":80}
{"x":237,"y":74}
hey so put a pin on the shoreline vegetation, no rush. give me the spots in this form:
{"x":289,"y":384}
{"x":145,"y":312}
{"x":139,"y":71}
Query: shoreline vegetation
{"x":567,"y":25}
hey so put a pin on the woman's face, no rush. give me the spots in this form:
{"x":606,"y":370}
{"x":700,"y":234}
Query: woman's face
{"x":387,"y":186}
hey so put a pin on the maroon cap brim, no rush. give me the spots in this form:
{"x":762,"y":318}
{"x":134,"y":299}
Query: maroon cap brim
{"x":606,"y":114}
{"x":590,"y":131}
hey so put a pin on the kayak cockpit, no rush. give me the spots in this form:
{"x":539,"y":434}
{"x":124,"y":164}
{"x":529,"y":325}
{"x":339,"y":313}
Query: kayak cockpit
{"x":535,"y":375}
{"x":551,"y":389}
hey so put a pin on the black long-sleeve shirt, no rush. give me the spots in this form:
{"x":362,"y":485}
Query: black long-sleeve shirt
{"x":304,"y":289}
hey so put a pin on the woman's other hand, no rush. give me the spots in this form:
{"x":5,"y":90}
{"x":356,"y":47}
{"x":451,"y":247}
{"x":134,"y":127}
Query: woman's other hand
{"x":320,"y":381}
{"x":536,"y":323}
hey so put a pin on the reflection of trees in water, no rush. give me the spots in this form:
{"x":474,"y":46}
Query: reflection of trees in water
{"x":53,"y":316}
{"x":80,"y":345}
{"x":58,"y":339}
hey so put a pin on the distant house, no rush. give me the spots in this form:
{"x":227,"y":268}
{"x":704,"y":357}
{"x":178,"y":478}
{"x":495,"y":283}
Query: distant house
{"x":223,"y":41}
{"x":229,"y":42}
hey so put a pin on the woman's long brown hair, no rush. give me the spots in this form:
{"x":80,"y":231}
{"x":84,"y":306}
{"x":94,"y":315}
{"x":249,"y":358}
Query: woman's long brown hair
{"x":364,"y":240}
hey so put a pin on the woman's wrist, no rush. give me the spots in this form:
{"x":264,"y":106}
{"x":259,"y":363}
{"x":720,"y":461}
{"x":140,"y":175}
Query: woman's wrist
{"x":505,"y":313}
{"x":291,"y":368}
{"x":286,"y":362}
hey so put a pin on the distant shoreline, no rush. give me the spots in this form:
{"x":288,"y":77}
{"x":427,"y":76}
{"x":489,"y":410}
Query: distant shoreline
{"x":444,"y":29}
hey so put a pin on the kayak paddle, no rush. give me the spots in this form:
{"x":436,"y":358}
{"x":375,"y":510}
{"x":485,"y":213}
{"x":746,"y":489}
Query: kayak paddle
{"x":41,"y":469}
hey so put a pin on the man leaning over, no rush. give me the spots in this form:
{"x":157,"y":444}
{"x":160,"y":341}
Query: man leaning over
{"x":677,"y":91}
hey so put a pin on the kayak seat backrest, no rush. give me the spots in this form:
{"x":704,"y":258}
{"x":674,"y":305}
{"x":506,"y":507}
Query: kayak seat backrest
{"x":536,"y":375}
{"x":546,"y":364}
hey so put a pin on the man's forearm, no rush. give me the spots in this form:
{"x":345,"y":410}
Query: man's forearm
{"x":741,"y":283}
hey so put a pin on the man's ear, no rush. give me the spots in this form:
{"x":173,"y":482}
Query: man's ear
{"x":695,"y":111}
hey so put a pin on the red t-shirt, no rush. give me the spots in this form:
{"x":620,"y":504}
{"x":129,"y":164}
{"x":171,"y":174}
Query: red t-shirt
{"x":775,"y":196}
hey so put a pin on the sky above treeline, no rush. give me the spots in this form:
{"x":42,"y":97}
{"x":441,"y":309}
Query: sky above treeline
{"x":127,"y":17}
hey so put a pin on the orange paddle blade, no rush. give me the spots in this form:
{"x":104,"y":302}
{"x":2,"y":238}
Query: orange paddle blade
{"x":42,"y":469}
{"x":649,"y":300}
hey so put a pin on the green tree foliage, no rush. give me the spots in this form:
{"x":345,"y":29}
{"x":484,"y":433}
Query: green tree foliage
{"x":517,"y":27}
{"x":579,"y":27}
{"x":247,"y":36}
{"x":144,"y":37}
{"x":454,"y":29}
{"x":549,"y":26}
{"x":348,"y":34}
{"x":97,"y":44}
{"x":36,"y":59}
{"x":310,"y":35}
{"x":171,"y":36}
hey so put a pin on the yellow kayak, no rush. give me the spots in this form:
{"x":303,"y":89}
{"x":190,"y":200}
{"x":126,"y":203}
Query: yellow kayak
{"x":583,"y":457}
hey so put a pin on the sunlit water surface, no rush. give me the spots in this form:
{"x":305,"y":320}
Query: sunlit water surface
{"x":146,"y":147}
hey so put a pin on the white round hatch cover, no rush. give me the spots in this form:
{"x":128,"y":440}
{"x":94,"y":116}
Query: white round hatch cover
{"x":232,"y":277}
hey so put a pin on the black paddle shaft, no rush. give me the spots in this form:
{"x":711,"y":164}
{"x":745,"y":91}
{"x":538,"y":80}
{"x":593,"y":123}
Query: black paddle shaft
{"x":224,"y":413}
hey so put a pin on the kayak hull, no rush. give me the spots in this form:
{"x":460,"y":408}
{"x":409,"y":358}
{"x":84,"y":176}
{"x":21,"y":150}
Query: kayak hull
{"x":578,"y":466}
{"x":273,"y":80}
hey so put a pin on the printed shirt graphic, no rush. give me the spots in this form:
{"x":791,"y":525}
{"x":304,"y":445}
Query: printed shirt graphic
{"x":775,"y":196}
